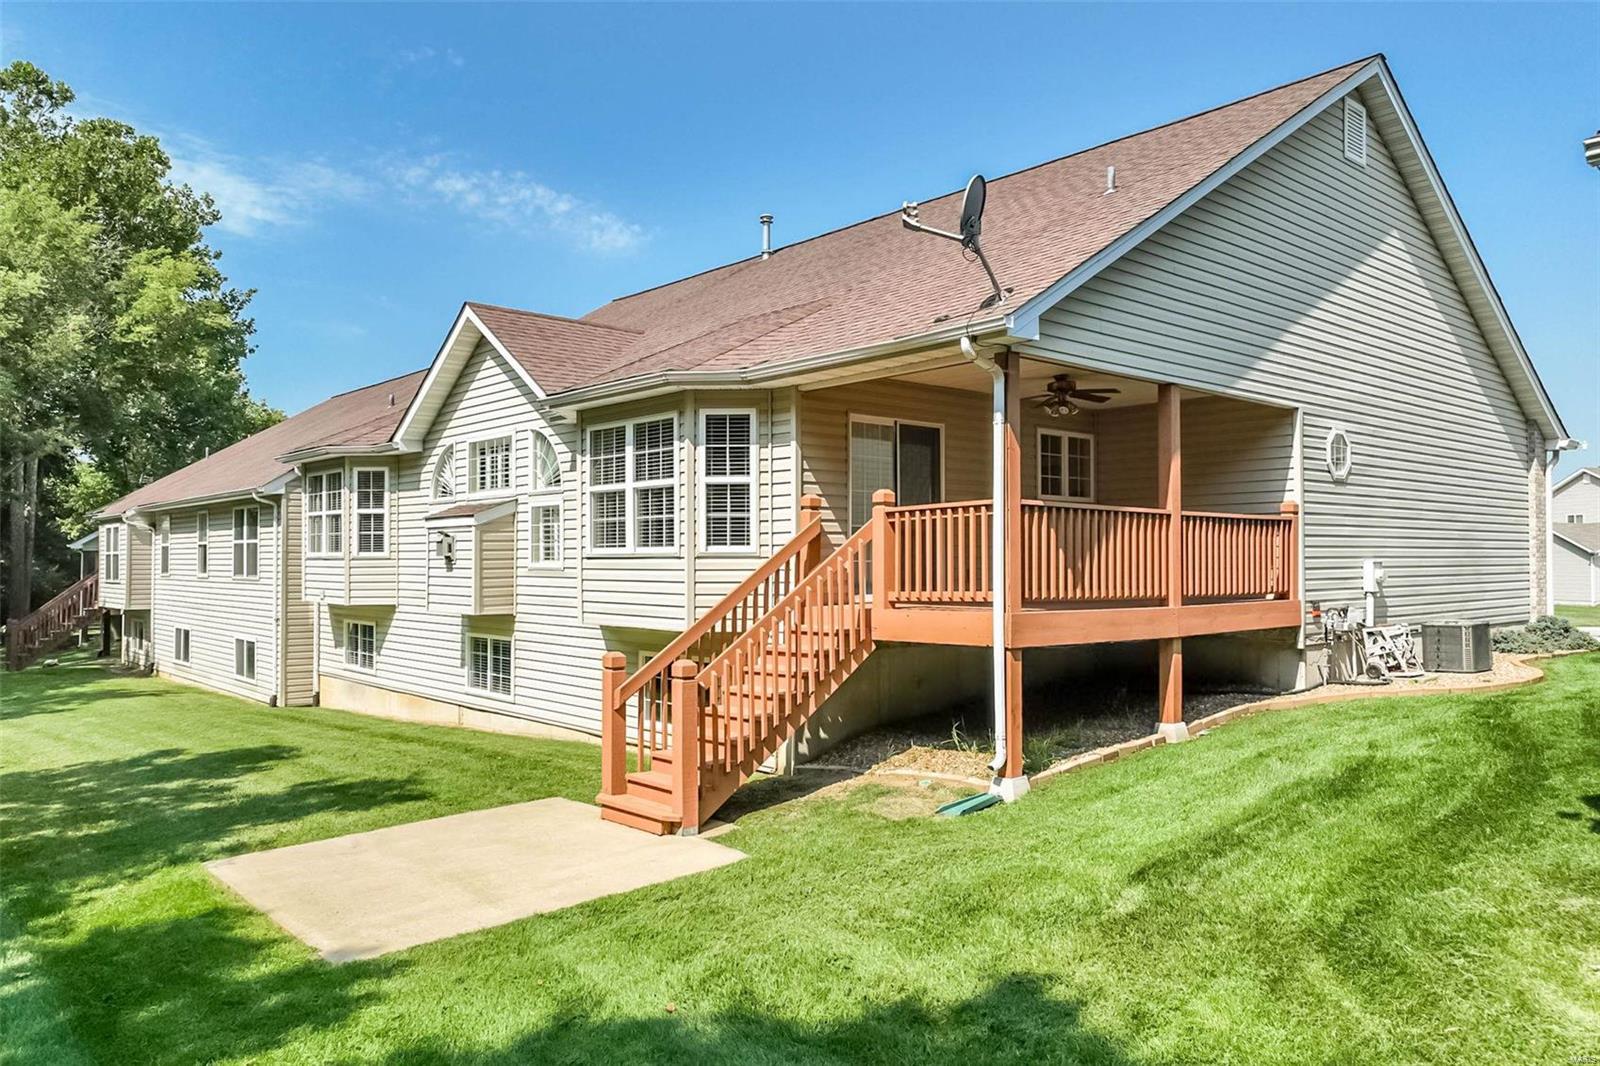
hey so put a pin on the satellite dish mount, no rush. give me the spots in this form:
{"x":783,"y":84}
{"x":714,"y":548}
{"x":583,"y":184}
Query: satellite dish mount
{"x":971,"y":227}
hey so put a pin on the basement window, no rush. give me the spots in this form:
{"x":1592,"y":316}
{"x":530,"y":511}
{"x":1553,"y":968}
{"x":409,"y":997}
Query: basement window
{"x":361,"y":645}
{"x":489,"y":665}
{"x":180,"y":645}
{"x":1355,"y":131}
{"x":244,"y":659}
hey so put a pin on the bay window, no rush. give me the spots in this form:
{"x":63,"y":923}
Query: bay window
{"x":325,"y":513}
{"x":727,"y":479}
{"x":372,"y":512}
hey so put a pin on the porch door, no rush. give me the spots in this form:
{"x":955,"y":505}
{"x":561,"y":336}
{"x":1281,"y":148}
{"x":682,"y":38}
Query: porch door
{"x":904,"y":456}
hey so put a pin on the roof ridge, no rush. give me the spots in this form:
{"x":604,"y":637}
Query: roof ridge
{"x":1010,"y":174}
{"x":552,"y":318}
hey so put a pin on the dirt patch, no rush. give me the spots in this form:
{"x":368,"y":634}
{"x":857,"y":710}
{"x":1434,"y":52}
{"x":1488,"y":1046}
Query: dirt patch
{"x":1507,"y":669}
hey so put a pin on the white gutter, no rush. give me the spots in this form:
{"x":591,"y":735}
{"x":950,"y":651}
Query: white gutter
{"x":997,"y":540}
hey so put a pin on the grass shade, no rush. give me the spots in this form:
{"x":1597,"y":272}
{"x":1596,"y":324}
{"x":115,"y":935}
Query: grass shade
{"x":1373,"y":881}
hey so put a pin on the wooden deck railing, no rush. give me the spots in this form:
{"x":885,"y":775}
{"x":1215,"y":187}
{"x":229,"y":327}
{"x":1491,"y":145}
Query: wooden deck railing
{"x":647,"y":696}
{"x":1075,"y":553}
{"x":26,"y":637}
{"x":1238,"y":556}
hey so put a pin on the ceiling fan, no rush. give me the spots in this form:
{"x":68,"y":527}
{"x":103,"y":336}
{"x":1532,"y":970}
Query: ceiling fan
{"x":1057,"y":398}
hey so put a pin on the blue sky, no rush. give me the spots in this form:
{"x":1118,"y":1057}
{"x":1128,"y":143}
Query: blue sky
{"x":378,"y":164}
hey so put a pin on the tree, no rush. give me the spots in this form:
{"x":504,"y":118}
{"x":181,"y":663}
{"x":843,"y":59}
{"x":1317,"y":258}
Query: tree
{"x":121,"y":342}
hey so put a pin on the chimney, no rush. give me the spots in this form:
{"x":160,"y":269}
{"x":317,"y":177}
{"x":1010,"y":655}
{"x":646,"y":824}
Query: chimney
{"x":766,"y":236}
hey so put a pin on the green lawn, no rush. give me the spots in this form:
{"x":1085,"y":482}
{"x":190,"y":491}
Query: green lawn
{"x":1579,"y":615}
{"x":1401,"y":881}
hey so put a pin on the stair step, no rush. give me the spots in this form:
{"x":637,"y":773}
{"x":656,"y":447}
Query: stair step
{"x":651,"y":785}
{"x":637,"y":813}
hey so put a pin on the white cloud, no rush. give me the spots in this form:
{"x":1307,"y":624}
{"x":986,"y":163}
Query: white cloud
{"x":513,"y":199}
{"x":427,"y":55}
{"x":257,"y":196}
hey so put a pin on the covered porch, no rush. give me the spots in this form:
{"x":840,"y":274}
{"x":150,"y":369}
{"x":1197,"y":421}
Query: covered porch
{"x":1142,"y":512}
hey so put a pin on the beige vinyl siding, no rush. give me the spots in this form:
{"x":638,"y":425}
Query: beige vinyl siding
{"x":1237,"y":456}
{"x":137,"y":641}
{"x":420,"y":651}
{"x":637,"y":589}
{"x":299,"y":614}
{"x":1309,"y":281}
{"x":114,"y":594}
{"x":134,"y":593}
{"x":450,"y":581}
{"x":497,"y":566}
{"x":1575,"y":573}
{"x":327,"y":577}
{"x":374,"y":579}
{"x":1579,"y":496}
{"x":717,"y":571}
{"x":219,"y":608}
{"x":825,"y":439}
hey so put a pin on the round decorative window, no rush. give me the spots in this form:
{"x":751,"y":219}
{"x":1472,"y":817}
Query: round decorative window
{"x":1339,"y":457}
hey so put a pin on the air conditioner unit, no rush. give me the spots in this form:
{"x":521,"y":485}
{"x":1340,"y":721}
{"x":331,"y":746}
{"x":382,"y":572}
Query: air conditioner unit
{"x":1457,"y":647}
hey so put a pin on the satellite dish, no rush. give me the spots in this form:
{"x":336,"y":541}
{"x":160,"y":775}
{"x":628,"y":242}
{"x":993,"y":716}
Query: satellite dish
{"x":972,"y":209}
{"x":971,"y":226}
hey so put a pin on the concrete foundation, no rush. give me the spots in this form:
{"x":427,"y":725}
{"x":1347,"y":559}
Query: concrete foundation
{"x":343,"y":694}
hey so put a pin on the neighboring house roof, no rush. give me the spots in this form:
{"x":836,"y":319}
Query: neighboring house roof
{"x":86,"y":543}
{"x":1584,"y":535}
{"x":1591,"y":471}
{"x":362,"y":416}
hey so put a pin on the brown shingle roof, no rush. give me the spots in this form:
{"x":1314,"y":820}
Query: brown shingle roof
{"x":875,"y":281}
{"x":558,"y":352}
{"x":363,"y":416}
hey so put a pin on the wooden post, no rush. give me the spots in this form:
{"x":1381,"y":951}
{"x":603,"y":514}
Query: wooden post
{"x":686,"y":744}
{"x":1291,"y":557}
{"x":1013,"y":506}
{"x":811,"y":512}
{"x":883,"y":551}
{"x":613,"y":725}
{"x":1169,"y":484}
{"x":1170,"y":666}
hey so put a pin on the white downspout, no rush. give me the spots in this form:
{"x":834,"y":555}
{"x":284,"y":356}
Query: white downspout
{"x":997,"y":540}
{"x":280,"y":535}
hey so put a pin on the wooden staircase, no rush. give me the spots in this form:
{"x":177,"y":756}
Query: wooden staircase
{"x":721,"y":698}
{"x":30,"y":637}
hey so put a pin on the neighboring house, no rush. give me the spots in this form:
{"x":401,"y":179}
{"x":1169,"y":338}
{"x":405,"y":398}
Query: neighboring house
{"x":1575,"y":499}
{"x":782,"y":470}
{"x":1575,"y":562}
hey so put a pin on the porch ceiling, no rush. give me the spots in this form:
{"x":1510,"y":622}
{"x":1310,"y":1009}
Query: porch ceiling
{"x":1036,"y":374}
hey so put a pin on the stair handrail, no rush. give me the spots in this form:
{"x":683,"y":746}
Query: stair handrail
{"x":803,"y":549}
{"x":854,"y":617}
{"x":22,"y":633}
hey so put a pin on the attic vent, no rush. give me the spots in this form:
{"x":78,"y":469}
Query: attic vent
{"x":1355,"y":131}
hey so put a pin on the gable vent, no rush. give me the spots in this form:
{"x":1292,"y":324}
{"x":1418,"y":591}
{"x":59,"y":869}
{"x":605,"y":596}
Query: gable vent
{"x":1355,"y":131}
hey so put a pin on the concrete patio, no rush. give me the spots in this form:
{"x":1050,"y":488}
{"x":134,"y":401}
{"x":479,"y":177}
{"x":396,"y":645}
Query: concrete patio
{"x":367,"y":894}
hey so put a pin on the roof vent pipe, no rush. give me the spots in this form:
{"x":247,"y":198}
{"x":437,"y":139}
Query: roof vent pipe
{"x":1111,"y":180}
{"x":766,"y":236}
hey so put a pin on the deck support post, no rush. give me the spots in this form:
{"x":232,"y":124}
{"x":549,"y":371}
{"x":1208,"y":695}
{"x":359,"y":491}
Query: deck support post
{"x":686,"y":744}
{"x":613,"y":725}
{"x":1010,"y":782}
{"x":1169,"y":495}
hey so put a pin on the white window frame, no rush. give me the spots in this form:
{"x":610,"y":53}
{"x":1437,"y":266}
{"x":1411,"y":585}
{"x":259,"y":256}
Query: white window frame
{"x":353,"y":641}
{"x":1337,"y":470}
{"x":357,"y":511}
{"x":752,"y":479}
{"x":548,"y":501}
{"x":240,"y":645}
{"x":631,"y":486}
{"x":182,"y":644}
{"x":477,"y":489}
{"x":202,"y":544}
{"x":488,"y":689}
{"x":251,"y":560}
{"x":164,"y":545}
{"x":1066,"y":480}
{"x":445,"y":464}
{"x":541,"y":439}
{"x":111,"y":553}
{"x":316,"y":536}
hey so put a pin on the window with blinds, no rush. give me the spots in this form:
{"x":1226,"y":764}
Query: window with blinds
{"x":372,"y":512}
{"x":633,"y":501}
{"x":325,"y":513}
{"x":727,"y":478}
{"x":489,"y":665}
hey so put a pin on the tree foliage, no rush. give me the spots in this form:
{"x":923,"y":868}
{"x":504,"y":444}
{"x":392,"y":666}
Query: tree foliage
{"x":121,"y":342}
